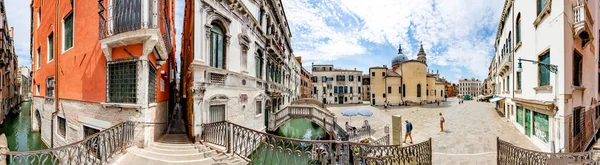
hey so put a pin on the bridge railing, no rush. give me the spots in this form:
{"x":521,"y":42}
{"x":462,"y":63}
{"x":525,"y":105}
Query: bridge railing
{"x":310,"y":112}
{"x":263,"y":148}
{"x":98,"y":148}
{"x":509,"y":154}
{"x":385,"y":140}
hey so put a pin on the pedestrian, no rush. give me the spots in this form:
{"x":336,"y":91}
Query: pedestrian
{"x":442,"y":123}
{"x":438,"y":102}
{"x":408,"y":131}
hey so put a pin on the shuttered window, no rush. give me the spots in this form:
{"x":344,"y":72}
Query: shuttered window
{"x":544,"y":73}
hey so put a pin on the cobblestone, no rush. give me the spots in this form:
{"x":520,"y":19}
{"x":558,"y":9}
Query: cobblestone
{"x":470,"y":129}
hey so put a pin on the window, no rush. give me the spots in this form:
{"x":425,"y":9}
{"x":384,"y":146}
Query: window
{"x":323,"y":79}
{"x":350,"y":77}
{"x":345,"y":99}
{"x":372,"y":73}
{"x":62,"y":126}
{"x":39,"y":18}
{"x":217,"y":58}
{"x":578,"y":126}
{"x":335,"y":99}
{"x":507,"y":83}
{"x":68,"y":33}
{"x":50,"y":86}
{"x":541,"y":5}
{"x":389,"y":90}
{"x":518,"y":28}
{"x":122,"y":81}
{"x":544,"y":73}
{"x":314,"y":79}
{"x":324,"y":90}
{"x":373,"y":95}
{"x":399,"y":89}
{"x":518,"y":80}
{"x":314,"y":90}
{"x":383,"y":74}
{"x":259,"y":17}
{"x":258,"y":107}
{"x":384,"y":95}
{"x":597,"y":111}
{"x":37,"y":89}
{"x":50,"y":47}
{"x":577,"y":68}
{"x":162,"y":85}
{"x":359,"y":78}
{"x":87,"y":131}
{"x":346,"y":89}
{"x":351,"y":89}
{"x":37,"y":63}
{"x":418,"y":90}
{"x":359,"y":90}
{"x":151,"y":83}
{"x":335,"y":89}
{"x":217,"y":113}
{"x":340,"y":78}
{"x":259,"y":64}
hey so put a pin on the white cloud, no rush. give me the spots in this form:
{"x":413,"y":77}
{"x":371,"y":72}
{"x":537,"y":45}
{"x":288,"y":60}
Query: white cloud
{"x":18,"y":15}
{"x":455,"y":33}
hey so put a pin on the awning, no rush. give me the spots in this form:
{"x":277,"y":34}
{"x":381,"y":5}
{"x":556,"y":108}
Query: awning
{"x":494,"y":99}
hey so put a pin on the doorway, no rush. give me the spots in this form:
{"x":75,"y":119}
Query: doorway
{"x":340,"y":99}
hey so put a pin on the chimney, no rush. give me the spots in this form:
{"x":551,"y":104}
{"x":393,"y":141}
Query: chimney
{"x":355,"y":69}
{"x":385,"y":66}
{"x":437,"y":71}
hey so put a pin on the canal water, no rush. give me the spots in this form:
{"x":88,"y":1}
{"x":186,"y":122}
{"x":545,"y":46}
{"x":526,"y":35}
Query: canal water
{"x":294,"y":128}
{"x":17,"y":128}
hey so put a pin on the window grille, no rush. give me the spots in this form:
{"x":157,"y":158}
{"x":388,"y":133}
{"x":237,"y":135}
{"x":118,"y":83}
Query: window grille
{"x":151,"y":83}
{"x":122,"y":81}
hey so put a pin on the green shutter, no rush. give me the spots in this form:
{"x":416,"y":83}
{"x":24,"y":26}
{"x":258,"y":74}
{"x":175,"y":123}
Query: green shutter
{"x":518,"y":30}
{"x":68,"y":32}
{"x":543,"y":71}
{"x":518,"y":80}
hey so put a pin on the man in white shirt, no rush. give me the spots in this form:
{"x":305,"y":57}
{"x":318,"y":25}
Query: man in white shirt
{"x":441,"y":123}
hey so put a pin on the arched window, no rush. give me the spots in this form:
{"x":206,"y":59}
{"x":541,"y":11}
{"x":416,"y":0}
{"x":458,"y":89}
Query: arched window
{"x":418,"y":90}
{"x":518,"y":28}
{"x":217,"y":58}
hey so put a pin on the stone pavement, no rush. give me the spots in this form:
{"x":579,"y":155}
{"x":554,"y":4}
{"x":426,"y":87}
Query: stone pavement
{"x":469,"y":135}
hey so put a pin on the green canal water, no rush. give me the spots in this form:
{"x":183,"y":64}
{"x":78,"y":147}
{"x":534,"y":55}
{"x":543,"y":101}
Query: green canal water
{"x":297,"y":129}
{"x":17,"y":128}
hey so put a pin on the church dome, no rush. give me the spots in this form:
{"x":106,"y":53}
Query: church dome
{"x":400,"y":58}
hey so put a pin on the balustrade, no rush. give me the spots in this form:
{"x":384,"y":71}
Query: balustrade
{"x":263,"y":148}
{"x":509,"y":154}
{"x":98,"y":148}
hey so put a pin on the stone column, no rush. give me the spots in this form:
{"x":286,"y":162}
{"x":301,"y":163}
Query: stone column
{"x":396,"y":130}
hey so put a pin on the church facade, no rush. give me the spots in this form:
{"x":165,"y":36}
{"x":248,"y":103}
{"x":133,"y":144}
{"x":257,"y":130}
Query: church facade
{"x":406,"y":82}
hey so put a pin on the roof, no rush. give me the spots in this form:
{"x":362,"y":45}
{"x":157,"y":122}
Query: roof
{"x":366,"y":76}
{"x":391,"y":73}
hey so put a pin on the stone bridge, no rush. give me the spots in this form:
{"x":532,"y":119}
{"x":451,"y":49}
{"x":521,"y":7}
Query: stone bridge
{"x":308,"y":109}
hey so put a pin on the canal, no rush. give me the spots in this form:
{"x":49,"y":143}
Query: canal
{"x":17,"y":128}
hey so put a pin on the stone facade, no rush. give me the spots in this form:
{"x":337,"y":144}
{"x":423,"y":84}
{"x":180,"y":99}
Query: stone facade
{"x":555,"y":104}
{"x":336,"y":86}
{"x":239,"y":65}
{"x":469,"y":86}
{"x":366,"y":87}
{"x":407,"y":82}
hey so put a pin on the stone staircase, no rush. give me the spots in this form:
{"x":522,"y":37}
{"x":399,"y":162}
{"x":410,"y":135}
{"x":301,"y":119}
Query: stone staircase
{"x":176,"y":149}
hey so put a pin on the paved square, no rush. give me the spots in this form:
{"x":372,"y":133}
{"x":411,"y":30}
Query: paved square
{"x":469,"y":135}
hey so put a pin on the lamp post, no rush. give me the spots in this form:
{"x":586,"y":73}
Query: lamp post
{"x":554,"y":69}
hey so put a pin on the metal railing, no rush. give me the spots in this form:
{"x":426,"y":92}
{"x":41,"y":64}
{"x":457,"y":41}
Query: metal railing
{"x":363,"y":132}
{"x":120,"y":16}
{"x":385,"y":140}
{"x":510,"y":154}
{"x":263,"y":148}
{"x":98,"y":148}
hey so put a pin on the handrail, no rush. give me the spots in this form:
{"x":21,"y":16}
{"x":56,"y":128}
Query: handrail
{"x":511,"y":154}
{"x":257,"y":146}
{"x":98,"y":148}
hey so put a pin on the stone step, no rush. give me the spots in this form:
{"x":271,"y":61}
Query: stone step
{"x":172,"y":146}
{"x":175,"y":138}
{"x":175,"y":156}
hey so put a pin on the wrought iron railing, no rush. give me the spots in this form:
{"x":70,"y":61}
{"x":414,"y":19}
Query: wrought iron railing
{"x":263,"y":148}
{"x":385,"y":140}
{"x":98,"y":148}
{"x":359,"y":133}
{"x":510,"y":154}
{"x":120,"y":16}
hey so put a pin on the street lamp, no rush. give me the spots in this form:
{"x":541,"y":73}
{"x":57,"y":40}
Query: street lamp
{"x":554,"y":69}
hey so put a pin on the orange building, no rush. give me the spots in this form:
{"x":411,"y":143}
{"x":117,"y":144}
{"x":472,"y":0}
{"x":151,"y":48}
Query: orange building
{"x":306,"y":82}
{"x":99,"y":63}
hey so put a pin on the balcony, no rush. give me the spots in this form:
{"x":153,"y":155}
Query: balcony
{"x":505,"y":64}
{"x":126,"y":22}
{"x":583,"y":22}
{"x":274,"y":46}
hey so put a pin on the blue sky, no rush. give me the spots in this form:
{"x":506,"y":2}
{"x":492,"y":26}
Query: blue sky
{"x":457,"y":35}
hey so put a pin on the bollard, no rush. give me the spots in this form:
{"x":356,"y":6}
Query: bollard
{"x":396,"y":130}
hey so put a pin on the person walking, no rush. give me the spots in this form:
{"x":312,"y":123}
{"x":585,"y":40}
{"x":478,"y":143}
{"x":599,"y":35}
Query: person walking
{"x":438,"y":102}
{"x":408,"y":132}
{"x":442,"y":120}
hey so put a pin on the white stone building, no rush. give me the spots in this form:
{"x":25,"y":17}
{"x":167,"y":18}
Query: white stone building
{"x":24,"y":78}
{"x":240,"y":64}
{"x":336,"y":86}
{"x":469,"y":86}
{"x":555,"y":107}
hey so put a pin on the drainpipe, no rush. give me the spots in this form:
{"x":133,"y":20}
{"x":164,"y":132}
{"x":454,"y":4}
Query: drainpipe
{"x":56,"y":55}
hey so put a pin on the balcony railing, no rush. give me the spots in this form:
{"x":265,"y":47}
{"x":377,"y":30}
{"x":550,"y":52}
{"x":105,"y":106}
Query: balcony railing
{"x":121,"y":16}
{"x":583,"y":22}
{"x":505,"y":64}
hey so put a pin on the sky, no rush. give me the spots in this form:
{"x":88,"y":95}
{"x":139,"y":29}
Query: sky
{"x":457,"y":35}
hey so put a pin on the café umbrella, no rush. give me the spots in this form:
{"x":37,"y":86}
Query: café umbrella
{"x":365,"y":112}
